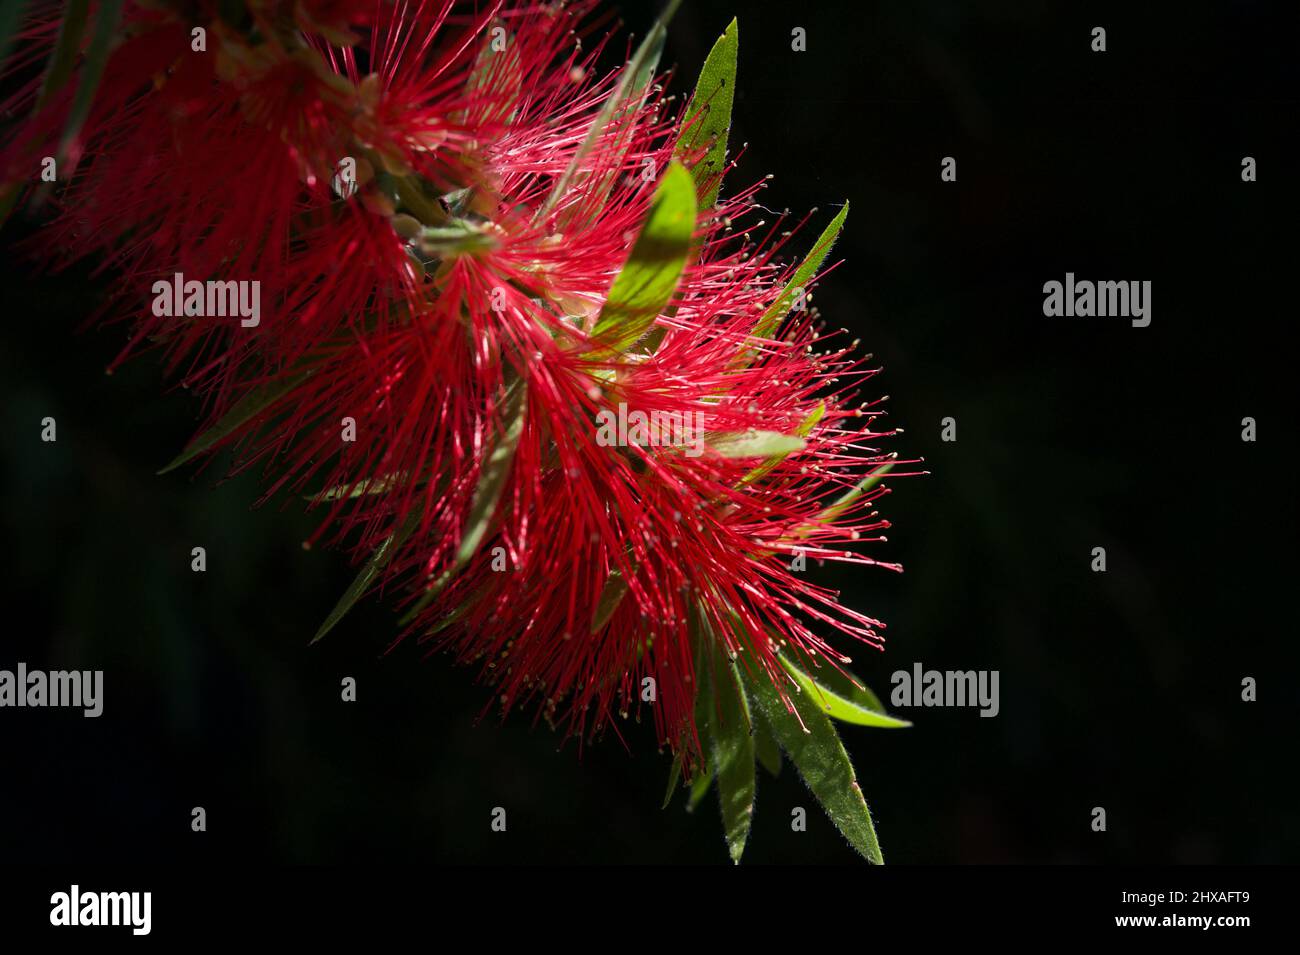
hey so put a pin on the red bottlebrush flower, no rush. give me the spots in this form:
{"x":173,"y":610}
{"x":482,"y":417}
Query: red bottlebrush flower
{"x":530,"y":381}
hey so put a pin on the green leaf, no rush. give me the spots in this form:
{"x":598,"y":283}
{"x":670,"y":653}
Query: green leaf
{"x":11,"y":14}
{"x":803,"y":275}
{"x":379,"y":485}
{"x":72,"y":27}
{"x":674,"y":777}
{"x":804,"y":429}
{"x":757,"y":444}
{"x":842,"y":683}
{"x":732,"y":749}
{"x":765,"y":746}
{"x":627,"y":99}
{"x":699,"y":789}
{"x":708,"y":120}
{"x":611,"y":595}
{"x":106,"y":21}
{"x":483,"y":506}
{"x":821,"y":760}
{"x":649,"y":278}
{"x":844,"y":702}
{"x":846,"y":500}
{"x":382,"y":555}
{"x":702,"y":655}
{"x":244,"y":410}
{"x":455,"y":238}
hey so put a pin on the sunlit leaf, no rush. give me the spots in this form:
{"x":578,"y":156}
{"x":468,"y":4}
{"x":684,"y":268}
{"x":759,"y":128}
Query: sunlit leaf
{"x":756,"y":444}
{"x":649,"y":278}
{"x":708,"y":120}
{"x":804,"y":274}
{"x":805,"y":428}
{"x":732,"y":749}
{"x":809,"y":737}
{"x":844,"y":702}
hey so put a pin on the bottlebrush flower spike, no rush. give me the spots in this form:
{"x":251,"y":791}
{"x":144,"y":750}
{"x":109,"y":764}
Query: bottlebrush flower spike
{"x":483,"y":307}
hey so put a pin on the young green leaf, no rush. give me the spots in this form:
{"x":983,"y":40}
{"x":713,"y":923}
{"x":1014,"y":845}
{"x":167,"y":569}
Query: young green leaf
{"x":756,"y":444}
{"x":254,"y":403}
{"x":821,"y":760}
{"x":382,"y":555}
{"x":803,"y":275}
{"x":842,"y":684}
{"x":708,"y":120}
{"x":106,"y":21}
{"x":848,"y":707}
{"x":732,"y":749}
{"x":649,"y":278}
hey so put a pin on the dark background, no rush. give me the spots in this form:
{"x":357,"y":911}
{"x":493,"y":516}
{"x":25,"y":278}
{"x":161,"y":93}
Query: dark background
{"x":1119,"y":690}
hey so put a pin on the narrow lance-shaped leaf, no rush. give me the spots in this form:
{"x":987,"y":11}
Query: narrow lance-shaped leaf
{"x":627,"y":97}
{"x":766,"y":750}
{"x":756,"y":444}
{"x":364,"y":487}
{"x":803,"y":275}
{"x":821,"y":760}
{"x":106,"y":21}
{"x":674,"y":777}
{"x":649,"y":278}
{"x":853,"y":706}
{"x":611,"y":595}
{"x":72,"y":26}
{"x":244,"y":410}
{"x":699,"y":789}
{"x":483,"y":506}
{"x":842,"y":683}
{"x":708,"y":121}
{"x":732,"y":748}
{"x":702,"y":656}
{"x":380,"y":559}
{"x":805,"y":428}
{"x":845,"y":501}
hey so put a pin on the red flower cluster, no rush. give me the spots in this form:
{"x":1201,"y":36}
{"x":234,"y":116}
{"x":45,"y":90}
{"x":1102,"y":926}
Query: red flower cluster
{"x":451,"y":217}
